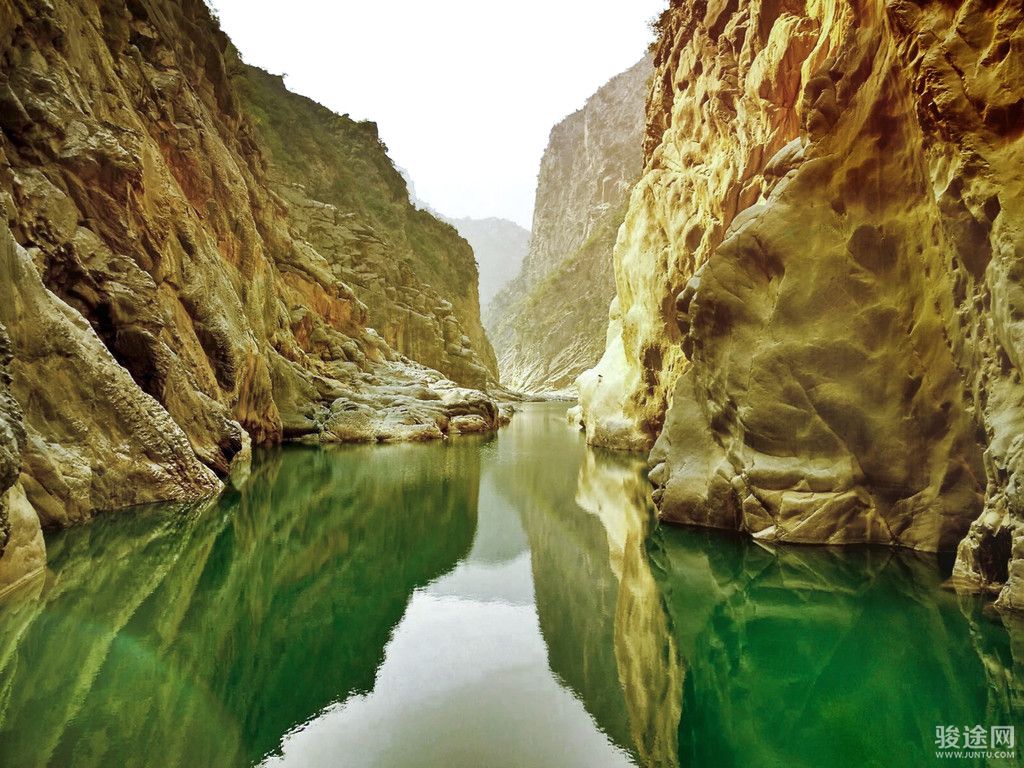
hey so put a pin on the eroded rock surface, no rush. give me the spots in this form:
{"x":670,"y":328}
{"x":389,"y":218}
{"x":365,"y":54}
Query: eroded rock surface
{"x":172,"y":295}
{"x":22,"y":550}
{"x":819,"y":278}
{"x":549,"y":324}
{"x":93,"y":439}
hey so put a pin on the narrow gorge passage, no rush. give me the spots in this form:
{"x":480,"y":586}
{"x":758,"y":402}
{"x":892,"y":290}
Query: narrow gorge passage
{"x":489,"y":601}
{"x":548,"y":384}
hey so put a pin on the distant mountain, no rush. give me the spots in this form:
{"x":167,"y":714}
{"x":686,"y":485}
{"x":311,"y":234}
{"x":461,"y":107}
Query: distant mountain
{"x":500,"y":246}
{"x":549,"y":324}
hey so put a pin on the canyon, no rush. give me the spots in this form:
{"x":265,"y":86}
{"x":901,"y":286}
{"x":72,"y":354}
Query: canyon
{"x":803,"y":217}
{"x":779,"y":264}
{"x":299,"y":618}
{"x":500,"y":246}
{"x":543,"y":340}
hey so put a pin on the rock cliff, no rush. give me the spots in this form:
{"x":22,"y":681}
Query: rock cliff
{"x":543,"y":335}
{"x":171,"y":295}
{"x":819,"y":291}
{"x":22,"y":551}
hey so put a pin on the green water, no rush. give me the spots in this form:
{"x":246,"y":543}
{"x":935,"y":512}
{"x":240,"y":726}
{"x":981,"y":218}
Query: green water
{"x":485,"y":602}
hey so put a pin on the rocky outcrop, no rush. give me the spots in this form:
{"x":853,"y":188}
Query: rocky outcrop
{"x":818,"y":310}
{"x":549,"y":324}
{"x":91,"y":438}
{"x":22,"y":550}
{"x":169,"y":300}
{"x":500,"y":247}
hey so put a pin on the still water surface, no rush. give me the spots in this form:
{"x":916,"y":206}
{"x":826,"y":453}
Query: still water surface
{"x":483,"y":602}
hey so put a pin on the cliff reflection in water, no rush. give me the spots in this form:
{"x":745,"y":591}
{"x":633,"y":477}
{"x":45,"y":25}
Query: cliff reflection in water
{"x":484,"y":601}
{"x":518,"y":656}
{"x":599,"y":608}
{"x":827,"y":656}
{"x":194,"y":637}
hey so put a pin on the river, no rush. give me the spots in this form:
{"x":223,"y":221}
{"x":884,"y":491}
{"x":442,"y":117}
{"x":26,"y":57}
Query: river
{"x":495,"y":601}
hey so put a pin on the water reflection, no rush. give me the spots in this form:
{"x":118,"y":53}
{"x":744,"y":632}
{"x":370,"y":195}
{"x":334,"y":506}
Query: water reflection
{"x":824,"y":656}
{"x":481,"y":602}
{"x":599,"y":607}
{"x":509,"y":659}
{"x":188,"y":637}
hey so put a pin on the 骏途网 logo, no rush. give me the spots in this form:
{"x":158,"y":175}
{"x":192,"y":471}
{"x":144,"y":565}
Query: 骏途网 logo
{"x":974,"y":741}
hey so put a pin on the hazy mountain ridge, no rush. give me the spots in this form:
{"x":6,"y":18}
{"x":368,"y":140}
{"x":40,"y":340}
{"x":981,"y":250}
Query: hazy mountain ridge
{"x":500,"y":247}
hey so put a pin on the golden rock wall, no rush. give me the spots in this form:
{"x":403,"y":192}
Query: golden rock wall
{"x":819,"y":281}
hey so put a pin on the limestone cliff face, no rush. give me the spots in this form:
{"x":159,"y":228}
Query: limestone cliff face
{"x":165,"y":305}
{"x":549,"y":324}
{"x":22,"y":551}
{"x":819,"y":279}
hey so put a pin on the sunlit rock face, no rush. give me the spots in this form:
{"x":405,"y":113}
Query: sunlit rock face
{"x":167,"y":307}
{"x":826,"y":240}
{"x":721,"y":104}
{"x":82,"y":415}
{"x":20,"y":532}
{"x":549,"y":324}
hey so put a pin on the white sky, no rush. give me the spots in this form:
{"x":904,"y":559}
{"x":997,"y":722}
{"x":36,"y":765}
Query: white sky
{"x":464,"y":91}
